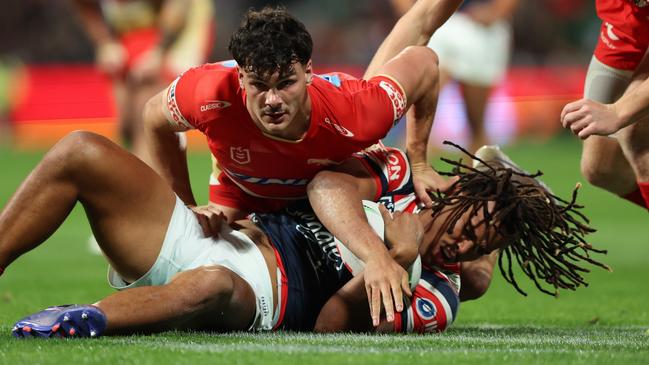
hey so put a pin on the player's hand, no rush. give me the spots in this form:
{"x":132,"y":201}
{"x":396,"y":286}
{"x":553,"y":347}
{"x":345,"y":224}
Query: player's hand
{"x":427,"y":180}
{"x":210,"y":218}
{"x":587,"y":117}
{"x":403,"y":235}
{"x":148,"y":66}
{"x":111,"y":58}
{"x":385,"y":281}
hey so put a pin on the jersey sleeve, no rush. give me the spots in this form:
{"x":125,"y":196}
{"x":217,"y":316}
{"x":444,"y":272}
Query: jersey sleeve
{"x":390,"y":170}
{"x":377,"y":105}
{"x":433,"y":306}
{"x":180,"y":102}
{"x":199,"y":95}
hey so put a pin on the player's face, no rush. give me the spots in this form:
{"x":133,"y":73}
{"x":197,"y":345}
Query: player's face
{"x":279,"y":104}
{"x":454,"y":246}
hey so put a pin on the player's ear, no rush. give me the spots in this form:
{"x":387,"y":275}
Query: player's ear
{"x":308,"y":70}
{"x":240,"y":75}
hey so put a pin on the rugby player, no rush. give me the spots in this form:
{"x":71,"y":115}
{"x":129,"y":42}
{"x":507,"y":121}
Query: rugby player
{"x":272,"y":125}
{"x":616,"y":98}
{"x":175,"y":278}
{"x":476,"y":233}
{"x":142,"y":45}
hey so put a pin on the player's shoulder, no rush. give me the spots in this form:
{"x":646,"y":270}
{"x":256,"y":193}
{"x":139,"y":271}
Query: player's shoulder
{"x":218,"y":78}
{"x":205,"y":92}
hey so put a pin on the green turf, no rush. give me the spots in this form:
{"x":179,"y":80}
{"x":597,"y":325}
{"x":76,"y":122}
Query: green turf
{"x":605,"y":323}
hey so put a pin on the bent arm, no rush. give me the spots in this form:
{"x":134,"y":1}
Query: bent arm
{"x":167,"y":148}
{"x":413,"y":29}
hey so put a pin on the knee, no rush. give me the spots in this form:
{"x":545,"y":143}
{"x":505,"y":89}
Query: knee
{"x":79,"y":151}
{"x":596,"y":174}
{"x":207,"y":288}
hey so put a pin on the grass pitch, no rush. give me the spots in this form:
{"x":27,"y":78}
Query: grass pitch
{"x":604,"y":323}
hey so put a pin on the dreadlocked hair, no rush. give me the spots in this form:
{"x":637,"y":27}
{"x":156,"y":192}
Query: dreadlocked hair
{"x":545,"y":231}
{"x":270,"y":40}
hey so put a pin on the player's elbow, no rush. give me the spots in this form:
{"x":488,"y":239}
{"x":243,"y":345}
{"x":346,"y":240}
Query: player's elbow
{"x":152,"y":115}
{"x":475,"y":285}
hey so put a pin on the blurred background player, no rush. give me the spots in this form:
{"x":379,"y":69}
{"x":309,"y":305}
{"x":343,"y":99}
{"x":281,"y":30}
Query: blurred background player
{"x":474,"y":46}
{"x":618,"y":67}
{"x":142,"y":45}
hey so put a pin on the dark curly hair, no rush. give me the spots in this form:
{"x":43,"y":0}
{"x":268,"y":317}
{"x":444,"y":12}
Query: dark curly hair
{"x":547,"y":233}
{"x":269,"y":41}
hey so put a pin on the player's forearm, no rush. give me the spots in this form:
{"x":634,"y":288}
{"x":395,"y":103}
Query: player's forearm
{"x":336,"y":201}
{"x":634,"y":104}
{"x":173,"y":19}
{"x":419,"y":120}
{"x":93,"y":22}
{"x":413,"y":29}
{"x":169,"y":160}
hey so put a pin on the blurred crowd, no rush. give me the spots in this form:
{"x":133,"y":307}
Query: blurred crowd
{"x":344,"y":32}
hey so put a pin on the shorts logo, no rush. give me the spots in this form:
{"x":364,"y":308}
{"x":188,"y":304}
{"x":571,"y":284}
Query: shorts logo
{"x":214,"y":104}
{"x":240,"y":155}
{"x":339,"y":128}
{"x":396,"y":97}
{"x":425,"y":308}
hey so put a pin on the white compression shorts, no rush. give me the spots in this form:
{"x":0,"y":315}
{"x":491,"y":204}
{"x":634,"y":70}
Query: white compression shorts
{"x":472,"y":52}
{"x":185,"y":248}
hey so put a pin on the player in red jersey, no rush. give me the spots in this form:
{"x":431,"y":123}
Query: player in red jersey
{"x":615,"y":103}
{"x":175,"y":278}
{"x":272,"y":124}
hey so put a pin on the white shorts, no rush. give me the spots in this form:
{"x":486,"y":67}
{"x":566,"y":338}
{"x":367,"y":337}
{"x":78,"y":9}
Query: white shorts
{"x":471,"y":52}
{"x":185,"y":248}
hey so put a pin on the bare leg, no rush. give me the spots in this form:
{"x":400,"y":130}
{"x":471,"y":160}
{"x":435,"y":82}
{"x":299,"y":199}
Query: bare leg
{"x":602,"y":162}
{"x":140,"y":92}
{"x":212,"y":298}
{"x":475,"y":102}
{"x":126,"y":202}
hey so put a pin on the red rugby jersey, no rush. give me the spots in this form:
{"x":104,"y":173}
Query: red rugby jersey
{"x":347,"y":115}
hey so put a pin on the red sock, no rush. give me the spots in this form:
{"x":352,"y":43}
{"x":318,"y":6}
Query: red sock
{"x":644,"y":190}
{"x":635,"y":197}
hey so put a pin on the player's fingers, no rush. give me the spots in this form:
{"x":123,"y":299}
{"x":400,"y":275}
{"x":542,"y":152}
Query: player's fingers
{"x":405,"y":285}
{"x":588,"y":131}
{"x":388,"y":303}
{"x":376,"y":305}
{"x":215,"y":225}
{"x":423,"y":196}
{"x":397,"y":294}
{"x":205,"y":226}
{"x":385,"y":213}
{"x":571,"y":107}
{"x":449,"y":183}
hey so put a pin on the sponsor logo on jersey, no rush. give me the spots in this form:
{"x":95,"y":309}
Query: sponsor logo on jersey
{"x":321,"y":162}
{"x":339,"y":128}
{"x":425,"y":308}
{"x":609,"y":36}
{"x":396,"y":97}
{"x":266,"y":180}
{"x":240,"y":155}
{"x":309,"y":224}
{"x":214,"y":104}
{"x":394,"y":167}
